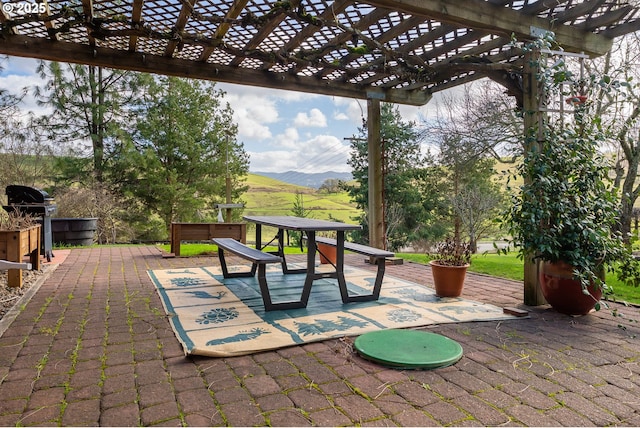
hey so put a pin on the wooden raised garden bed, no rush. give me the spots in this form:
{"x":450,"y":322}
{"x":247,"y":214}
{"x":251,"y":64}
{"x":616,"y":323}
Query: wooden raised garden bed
{"x":205,"y":232}
{"x":14,"y":245}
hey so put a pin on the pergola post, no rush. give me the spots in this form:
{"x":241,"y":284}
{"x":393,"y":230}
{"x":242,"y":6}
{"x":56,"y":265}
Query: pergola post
{"x":376,"y":183}
{"x":533,"y":122}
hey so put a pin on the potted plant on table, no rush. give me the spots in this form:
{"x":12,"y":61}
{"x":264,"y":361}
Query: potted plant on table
{"x":449,"y":262}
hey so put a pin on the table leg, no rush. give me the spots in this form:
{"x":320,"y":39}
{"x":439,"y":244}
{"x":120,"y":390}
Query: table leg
{"x":281,"y":250}
{"x":311,"y":266}
{"x":342,"y":283}
{"x":258,"y":236}
{"x":285,"y":267}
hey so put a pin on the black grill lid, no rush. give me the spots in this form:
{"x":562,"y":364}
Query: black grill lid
{"x":24,"y":195}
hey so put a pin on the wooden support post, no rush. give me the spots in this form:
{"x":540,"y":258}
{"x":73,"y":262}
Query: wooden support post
{"x":533,"y":122}
{"x":176,"y":233}
{"x":228,"y":197}
{"x":376,"y":183}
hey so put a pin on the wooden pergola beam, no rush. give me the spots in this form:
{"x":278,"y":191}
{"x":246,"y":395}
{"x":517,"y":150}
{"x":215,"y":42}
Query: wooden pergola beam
{"x":234,"y":11}
{"x":179,"y":25}
{"x":481,"y":15}
{"x":263,"y":33}
{"x":136,"y":19}
{"x":29,"y":47}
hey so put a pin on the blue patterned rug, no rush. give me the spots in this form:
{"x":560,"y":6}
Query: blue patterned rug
{"x":220,"y":317}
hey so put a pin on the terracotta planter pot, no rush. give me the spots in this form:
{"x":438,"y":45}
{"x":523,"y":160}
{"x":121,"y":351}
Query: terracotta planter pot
{"x":327,"y":253}
{"x":563,"y":292}
{"x":448,"y":280}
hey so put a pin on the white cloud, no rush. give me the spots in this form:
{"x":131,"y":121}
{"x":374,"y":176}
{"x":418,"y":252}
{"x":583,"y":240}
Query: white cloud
{"x":20,"y":66}
{"x":273,"y":161}
{"x":353,"y":109}
{"x":253,"y":113}
{"x":339,"y":115}
{"x":14,"y":84}
{"x":315,"y":118}
{"x":318,"y":154}
{"x":288,"y":140}
{"x":410,"y":113}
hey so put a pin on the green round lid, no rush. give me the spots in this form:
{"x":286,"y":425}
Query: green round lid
{"x":408,"y":349}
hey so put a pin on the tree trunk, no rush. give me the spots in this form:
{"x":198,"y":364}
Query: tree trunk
{"x":628,"y":199}
{"x":97,"y":117}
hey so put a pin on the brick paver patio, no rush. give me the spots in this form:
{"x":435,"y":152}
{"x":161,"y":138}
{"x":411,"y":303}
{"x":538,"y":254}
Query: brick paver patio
{"x":93,"y":346}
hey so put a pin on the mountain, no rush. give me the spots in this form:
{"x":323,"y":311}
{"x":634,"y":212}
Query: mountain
{"x":304,"y":179}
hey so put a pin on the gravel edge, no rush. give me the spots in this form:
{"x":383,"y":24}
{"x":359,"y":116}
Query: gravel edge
{"x":15,"y":310}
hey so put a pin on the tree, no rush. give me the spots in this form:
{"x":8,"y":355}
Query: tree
{"x":331,"y":185}
{"x":616,"y":100}
{"x":409,"y":201}
{"x":89,"y":104}
{"x":182,"y":149}
{"x":298,"y":210}
{"x":465,"y":133}
{"x":477,"y":205}
{"x":24,"y":156}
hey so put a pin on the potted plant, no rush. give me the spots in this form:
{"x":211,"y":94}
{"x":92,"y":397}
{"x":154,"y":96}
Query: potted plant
{"x":449,"y":262}
{"x":328,"y":253}
{"x":566,"y":211}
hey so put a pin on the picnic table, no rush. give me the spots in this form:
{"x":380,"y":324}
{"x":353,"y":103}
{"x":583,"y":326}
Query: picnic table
{"x":310,"y":227}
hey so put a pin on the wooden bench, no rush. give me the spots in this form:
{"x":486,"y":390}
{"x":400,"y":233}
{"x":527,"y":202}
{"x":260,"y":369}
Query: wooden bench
{"x":259,"y":260}
{"x":376,"y":255}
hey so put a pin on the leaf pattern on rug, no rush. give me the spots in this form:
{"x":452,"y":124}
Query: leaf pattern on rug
{"x":218,"y":315}
{"x":205,"y":295}
{"x":403,"y":315}
{"x":320,"y":326}
{"x":187,"y":282}
{"x":240,"y":337}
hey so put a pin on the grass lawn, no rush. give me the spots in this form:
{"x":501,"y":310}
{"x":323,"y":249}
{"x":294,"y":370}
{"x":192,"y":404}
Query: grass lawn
{"x":503,"y":266}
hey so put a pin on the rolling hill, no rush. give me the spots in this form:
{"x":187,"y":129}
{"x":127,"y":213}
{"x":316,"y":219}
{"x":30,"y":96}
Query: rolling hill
{"x":314,"y":180}
{"x":268,"y":196}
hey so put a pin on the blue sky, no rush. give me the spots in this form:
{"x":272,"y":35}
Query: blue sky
{"x":281,"y":130}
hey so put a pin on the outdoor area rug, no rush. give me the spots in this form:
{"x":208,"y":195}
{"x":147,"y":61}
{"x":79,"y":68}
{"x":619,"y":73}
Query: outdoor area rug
{"x":219,"y":317}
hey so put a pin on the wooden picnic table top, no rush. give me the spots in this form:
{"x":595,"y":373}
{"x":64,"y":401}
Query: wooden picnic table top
{"x":301,"y":223}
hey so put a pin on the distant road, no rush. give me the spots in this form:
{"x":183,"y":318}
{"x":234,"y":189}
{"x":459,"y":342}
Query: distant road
{"x":488,"y":246}
{"x":483,"y":247}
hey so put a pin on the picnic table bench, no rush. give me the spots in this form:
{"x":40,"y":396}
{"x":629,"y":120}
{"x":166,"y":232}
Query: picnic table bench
{"x":376,"y":255}
{"x":259,"y":260}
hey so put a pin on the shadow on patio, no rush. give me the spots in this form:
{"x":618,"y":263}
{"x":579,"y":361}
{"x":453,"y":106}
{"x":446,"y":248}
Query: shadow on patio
{"x":93,"y":346}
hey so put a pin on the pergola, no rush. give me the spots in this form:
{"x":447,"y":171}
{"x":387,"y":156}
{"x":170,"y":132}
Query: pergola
{"x":399,"y":51}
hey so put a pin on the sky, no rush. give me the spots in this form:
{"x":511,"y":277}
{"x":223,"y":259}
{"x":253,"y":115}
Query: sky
{"x":281,"y":130}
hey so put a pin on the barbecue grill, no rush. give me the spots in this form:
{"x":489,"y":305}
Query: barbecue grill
{"x":37,"y":203}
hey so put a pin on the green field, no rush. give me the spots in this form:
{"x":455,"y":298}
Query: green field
{"x":267,"y":196}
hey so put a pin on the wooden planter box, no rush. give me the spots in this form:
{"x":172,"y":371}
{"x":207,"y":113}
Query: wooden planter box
{"x":204,"y":232}
{"x":14,"y":245}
